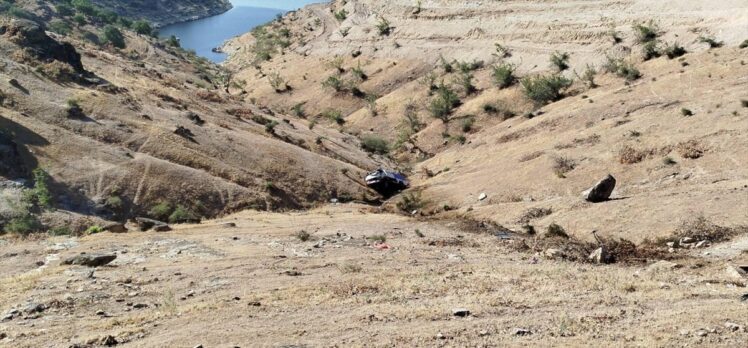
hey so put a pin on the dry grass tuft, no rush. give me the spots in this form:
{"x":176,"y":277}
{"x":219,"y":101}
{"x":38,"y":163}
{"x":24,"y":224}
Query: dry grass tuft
{"x":691,"y":149}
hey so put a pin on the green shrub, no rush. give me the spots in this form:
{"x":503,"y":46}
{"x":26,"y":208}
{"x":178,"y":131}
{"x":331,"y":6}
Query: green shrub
{"x":646,"y":32}
{"x":341,"y":15}
{"x":64,"y":10}
{"x":674,"y":50}
{"x":650,"y":50}
{"x":142,"y":27}
{"x":79,"y":19}
{"x":410,"y":202}
{"x":443,"y":103}
{"x":622,"y":69}
{"x":560,"y":60}
{"x":383,"y":27}
{"x":115,"y":203}
{"x":298,"y":110}
{"x":94,"y":230}
{"x":113,"y":36}
{"x":334,"y":115}
{"x":270,"y":127}
{"x":160,"y":211}
{"x":686,"y":112}
{"x":333,"y":82}
{"x":467,"y":124}
{"x":545,"y":89}
{"x":173,"y":41}
{"x":503,"y":75}
{"x":15,"y":11}
{"x":24,"y":224}
{"x":182,"y":215}
{"x":60,"y":231}
{"x":374,"y":144}
{"x":60,"y":27}
{"x":42,"y":195}
{"x":588,"y":76}
{"x":466,"y":82}
{"x":303,"y":235}
{"x":446,"y":66}
{"x":466,"y":67}
{"x":713,"y":43}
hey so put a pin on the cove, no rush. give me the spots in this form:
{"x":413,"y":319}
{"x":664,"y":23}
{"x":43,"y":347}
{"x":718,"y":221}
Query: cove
{"x":204,"y":34}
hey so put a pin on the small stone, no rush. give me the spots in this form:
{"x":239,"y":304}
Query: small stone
{"x":734,"y":327}
{"x":108,"y":341}
{"x":553,"y":253}
{"x":702,"y":244}
{"x":482,"y":333}
{"x":254,"y":304}
{"x":600,"y":255}
{"x":701,"y":333}
{"x":3,"y":335}
{"x":229,"y":225}
{"x":198,"y":346}
{"x":441,"y":336}
{"x":482,"y":196}
{"x":522,"y":332}
{"x":461,"y":312}
{"x":100,"y":313}
{"x":140,"y":306}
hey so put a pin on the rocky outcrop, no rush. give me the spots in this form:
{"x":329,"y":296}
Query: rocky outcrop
{"x":164,"y":12}
{"x":32,"y":37}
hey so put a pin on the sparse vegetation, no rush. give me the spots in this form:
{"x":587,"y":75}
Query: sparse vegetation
{"x":712,"y":42}
{"x":334,"y":115}
{"x":93,"y":230}
{"x":650,"y":50}
{"x":383,"y":27}
{"x":555,"y":230}
{"x":278,"y":83}
{"x":674,"y":50}
{"x":113,"y":36}
{"x":443,"y":103}
{"x":303,"y":236}
{"x":622,"y":69}
{"x":545,"y":89}
{"x":410,"y":202}
{"x":563,"y":165}
{"x":160,"y":211}
{"x":341,"y":15}
{"x":646,"y":32}
{"x":182,"y":214}
{"x":503,"y":75}
{"x":560,"y":60}
{"x":375,"y":144}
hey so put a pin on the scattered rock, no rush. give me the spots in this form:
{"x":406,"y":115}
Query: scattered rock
{"x":292,"y":273}
{"x":145,"y":224}
{"x":116,"y":228}
{"x":255,"y":304}
{"x":553,"y":253}
{"x":184,"y":132}
{"x":482,"y":197}
{"x":229,"y":225}
{"x":601,"y":191}
{"x":701,"y":333}
{"x":663,"y":266}
{"x":3,"y":335}
{"x":90,"y":260}
{"x":461,"y":312}
{"x":734,"y":327}
{"x":600,"y":255}
{"x":735,"y":272}
{"x":140,"y":306}
{"x":108,"y":341}
{"x":522,"y":332}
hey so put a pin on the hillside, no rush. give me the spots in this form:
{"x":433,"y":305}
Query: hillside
{"x":121,"y":130}
{"x":163,"y":12}
{"x":381,"y":64}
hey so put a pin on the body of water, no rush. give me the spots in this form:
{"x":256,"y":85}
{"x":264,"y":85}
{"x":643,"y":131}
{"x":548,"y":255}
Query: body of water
{"x":205,"y":34}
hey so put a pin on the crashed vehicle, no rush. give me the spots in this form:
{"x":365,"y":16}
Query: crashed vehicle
{"x":386,"y":182}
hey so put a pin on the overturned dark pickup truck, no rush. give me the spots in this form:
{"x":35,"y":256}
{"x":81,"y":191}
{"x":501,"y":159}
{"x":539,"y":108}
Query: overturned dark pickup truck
{"x":386,"y":182}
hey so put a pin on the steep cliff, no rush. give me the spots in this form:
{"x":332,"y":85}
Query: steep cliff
{"x":163,"y":12}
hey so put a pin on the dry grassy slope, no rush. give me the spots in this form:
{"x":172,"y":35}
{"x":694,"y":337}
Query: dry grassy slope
{"x":512,"y":162}
{"x":115,"y":150}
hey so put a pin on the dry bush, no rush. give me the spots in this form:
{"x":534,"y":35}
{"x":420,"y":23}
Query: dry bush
{"x":630,"y":155}
{"x":534,"y":213}
{"x":240,"y":113}
{"x":209,"y":96}
{"x":350,"y":288}
{"x":58,"y":71}
{"x":691,"y":149}
{"x":563,"y":165}
{"x":701,"y":229}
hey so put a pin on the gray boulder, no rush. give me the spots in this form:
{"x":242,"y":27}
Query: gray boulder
{"x":145,"y":224}
{"x":90,"y":260}
{"x":601,"y":191}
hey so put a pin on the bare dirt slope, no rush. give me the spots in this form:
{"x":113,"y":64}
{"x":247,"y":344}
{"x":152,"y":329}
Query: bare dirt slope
{"x":259,"y":285}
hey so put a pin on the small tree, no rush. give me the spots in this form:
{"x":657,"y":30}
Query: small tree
{"x":113,"y":36}
{"x":545,"y":89}
{"x":444,"y":102}
{"x":142,"y":27}
{"x":503,"y":75}
{"x":374,"y":144}
{"x":560,"y":60}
